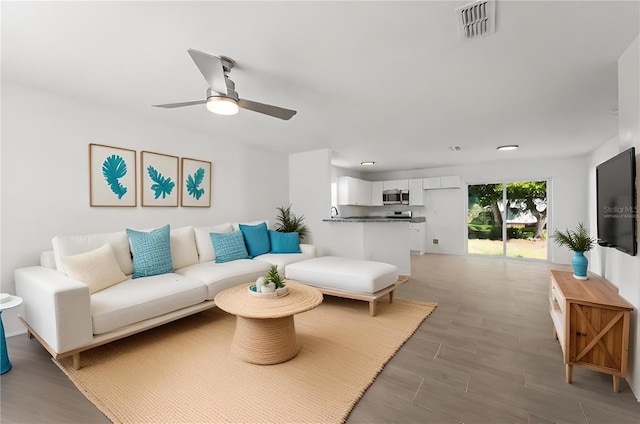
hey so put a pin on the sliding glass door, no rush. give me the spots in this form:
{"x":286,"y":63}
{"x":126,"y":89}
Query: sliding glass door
{"x":508,"y":219}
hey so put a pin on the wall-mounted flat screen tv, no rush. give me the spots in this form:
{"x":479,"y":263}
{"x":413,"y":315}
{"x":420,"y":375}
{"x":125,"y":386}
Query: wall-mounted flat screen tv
{"x":616,"y":199}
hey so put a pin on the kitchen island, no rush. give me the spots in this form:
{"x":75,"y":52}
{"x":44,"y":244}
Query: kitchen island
{"x":377,"y":239}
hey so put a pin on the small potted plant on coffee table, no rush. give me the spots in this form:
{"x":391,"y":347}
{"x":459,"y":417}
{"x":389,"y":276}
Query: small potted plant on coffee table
{"x":271,"y":285}
{"x":578,"y":241}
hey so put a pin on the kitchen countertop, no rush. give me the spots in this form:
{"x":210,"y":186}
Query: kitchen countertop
{"x":375,"y":219}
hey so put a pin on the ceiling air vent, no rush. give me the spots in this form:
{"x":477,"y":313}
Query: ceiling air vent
{"x":455,"y":148}
{"x":477,"y":19}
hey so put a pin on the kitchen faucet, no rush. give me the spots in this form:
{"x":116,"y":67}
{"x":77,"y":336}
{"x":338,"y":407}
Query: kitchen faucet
{"x":333,"y":208}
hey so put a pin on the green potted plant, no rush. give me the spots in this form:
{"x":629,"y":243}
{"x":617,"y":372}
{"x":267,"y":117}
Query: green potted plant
{"x":271,"y":283}
{"x":578,"y":241}
{"x":288,"y":222}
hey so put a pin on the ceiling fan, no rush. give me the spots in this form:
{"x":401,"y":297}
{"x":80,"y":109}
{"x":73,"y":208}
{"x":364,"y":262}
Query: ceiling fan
{"x":222,"y":98}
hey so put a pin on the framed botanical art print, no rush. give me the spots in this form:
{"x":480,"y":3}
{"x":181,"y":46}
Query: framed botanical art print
{"x":112,"y":176}
{"x":195,"y":177}
{"x":158,"y":179}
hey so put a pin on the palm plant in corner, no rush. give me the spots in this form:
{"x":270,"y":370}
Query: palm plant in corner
{"x":578,"y":241}
{"x":287,"y":222}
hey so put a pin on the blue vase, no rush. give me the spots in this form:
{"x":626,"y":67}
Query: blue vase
{"x":5,"y":364}
{"x":579,"y":263}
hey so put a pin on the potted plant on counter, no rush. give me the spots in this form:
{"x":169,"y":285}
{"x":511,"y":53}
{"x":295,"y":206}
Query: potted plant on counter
{"x":578,"y":241}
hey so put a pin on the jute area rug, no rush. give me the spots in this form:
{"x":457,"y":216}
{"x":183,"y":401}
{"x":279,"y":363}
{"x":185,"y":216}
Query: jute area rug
{"x":183,"y":372}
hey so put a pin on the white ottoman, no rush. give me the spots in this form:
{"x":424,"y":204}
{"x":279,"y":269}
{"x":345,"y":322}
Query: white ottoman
{"x":344,"y":277}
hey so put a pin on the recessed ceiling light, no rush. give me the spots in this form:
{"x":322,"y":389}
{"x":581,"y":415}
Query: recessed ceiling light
{"x":508,"y":147}
{"x":367,"y":163}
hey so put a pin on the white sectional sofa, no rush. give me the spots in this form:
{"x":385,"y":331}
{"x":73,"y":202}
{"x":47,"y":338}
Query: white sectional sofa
{"x":69,"y":316}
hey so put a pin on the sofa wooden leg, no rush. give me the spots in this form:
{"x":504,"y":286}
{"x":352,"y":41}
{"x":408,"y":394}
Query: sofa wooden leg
{"x":29,"y":334}
{"x":76,"y":361}
{"x":391,"y":296}
{"x":372,"y":308}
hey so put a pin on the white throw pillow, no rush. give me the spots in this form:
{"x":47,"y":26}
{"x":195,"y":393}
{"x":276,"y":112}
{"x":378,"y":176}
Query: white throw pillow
{"x":74,"y":245}
{"x":98,"y":268}
{"x":183,"y":247}
{"x":203,"y":240}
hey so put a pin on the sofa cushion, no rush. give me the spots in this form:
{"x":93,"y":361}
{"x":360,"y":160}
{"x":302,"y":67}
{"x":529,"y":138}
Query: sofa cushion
{"x":256,"y":238}
{"x":203,"y":240}
{"x":229,"y":246}
{"x":98,"y":268}
{"x":284,"y":242}
{"x":281,"y":260}
{"x":183,"y":247}
{"x":344,"y":274}
{"x":133,"y":301}
{"x":220,"y":276}
{"x":151,"y":251}
{"x":74,"y":245}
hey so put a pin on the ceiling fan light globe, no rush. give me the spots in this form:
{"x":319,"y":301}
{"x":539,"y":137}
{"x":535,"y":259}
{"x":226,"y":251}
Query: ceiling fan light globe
{"x":222,"y":105}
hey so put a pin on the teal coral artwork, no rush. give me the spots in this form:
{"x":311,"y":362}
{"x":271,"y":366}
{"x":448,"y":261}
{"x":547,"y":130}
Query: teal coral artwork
{"x":193,"y":184}
{"x":159,"y":177}
{"x":112,"y":176}
{"x":161,"y":186}
{"x":113,"y":169}
{"x":196,"y":183}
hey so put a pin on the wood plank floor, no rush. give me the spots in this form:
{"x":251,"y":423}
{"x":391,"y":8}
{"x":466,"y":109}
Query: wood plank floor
{"x":486,"y":355}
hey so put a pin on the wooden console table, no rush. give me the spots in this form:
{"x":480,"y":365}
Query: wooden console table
{"x":591,"y":321}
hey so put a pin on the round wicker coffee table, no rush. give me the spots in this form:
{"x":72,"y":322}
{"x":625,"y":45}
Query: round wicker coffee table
{"x":265,"y":331}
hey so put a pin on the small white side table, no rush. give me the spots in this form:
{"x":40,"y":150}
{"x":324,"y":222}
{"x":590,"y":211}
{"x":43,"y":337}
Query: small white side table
{"x":7,"y":301}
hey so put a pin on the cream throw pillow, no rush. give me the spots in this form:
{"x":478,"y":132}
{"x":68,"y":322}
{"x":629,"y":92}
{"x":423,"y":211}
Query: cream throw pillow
{"x":203,"y":240}
{"x":98,"y":268}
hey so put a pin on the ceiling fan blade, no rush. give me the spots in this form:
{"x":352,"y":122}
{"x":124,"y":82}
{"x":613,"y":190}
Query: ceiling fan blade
{"x":211,"y":68}
{"x":172,"y":105}
{"x":270,"y":110}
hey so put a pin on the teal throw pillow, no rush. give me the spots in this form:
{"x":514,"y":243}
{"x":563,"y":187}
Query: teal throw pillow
{"x":284,"y":242}
{"x":229,"y":246}
{"x":256,"y":238}
{"x":151,"y":252}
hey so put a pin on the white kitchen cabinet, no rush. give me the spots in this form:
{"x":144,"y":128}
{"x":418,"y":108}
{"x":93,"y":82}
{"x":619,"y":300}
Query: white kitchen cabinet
{"x":395,"y":185}
{"x":418,"y":237}
{"x":354,"y":191}
{"x":416,"y":193}
{"x":376,"y":193}
{"x":433,"y":183}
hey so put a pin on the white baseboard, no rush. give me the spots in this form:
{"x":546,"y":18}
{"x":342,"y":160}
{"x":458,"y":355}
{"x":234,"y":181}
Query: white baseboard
{"x":633,"y":391}
{"x":16,"y":333}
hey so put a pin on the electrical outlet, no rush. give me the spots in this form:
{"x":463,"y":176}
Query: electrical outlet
{"x":436,"y":241}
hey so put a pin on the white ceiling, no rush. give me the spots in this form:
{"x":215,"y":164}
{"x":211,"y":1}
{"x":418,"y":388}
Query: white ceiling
{"x":386,"y":81}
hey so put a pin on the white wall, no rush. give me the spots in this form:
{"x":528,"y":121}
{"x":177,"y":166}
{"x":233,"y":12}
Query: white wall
{"x":44,"y":167}
{"x":445,"y":209}
{"x":310,"y":176}
{"x":446,"y":216}
{"x":621,"y":269}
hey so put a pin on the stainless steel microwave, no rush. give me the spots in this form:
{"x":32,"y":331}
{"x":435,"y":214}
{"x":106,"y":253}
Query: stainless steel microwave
{"x":395,"y":197}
